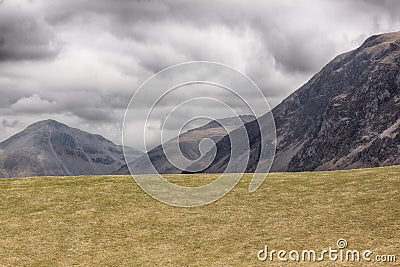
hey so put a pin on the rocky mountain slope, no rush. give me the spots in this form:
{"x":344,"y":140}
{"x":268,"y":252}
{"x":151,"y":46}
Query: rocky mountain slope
{"x":52,"y":148}
{"x":188,"y":144}
{"x":347,"y":115}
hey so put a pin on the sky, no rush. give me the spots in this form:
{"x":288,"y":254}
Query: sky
{"x":80,"y":62}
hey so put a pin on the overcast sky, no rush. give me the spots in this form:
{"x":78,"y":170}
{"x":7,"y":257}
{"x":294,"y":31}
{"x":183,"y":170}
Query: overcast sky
{"x":79,"y":62}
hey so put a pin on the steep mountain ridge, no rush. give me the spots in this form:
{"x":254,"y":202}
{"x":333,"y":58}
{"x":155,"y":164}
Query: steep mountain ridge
{"x":346,"y":116}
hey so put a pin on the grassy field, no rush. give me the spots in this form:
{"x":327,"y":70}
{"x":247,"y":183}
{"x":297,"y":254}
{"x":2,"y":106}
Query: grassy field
{"x":110,"y":221}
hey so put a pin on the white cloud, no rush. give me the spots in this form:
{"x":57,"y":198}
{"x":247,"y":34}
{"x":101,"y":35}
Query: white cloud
{"x":34,"y":104}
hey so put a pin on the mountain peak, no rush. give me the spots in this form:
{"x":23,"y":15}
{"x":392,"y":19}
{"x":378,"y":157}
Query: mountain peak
{"x":49,"y":123}
{"x":382,"y":47}
{"x":391,"y":37}
{"x":50,"y":147}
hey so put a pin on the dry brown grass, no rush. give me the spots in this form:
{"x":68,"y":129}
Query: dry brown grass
{"x":110,"y":221}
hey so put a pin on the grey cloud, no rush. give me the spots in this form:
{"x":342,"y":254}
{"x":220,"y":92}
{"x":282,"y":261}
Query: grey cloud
{"x":34,"y":104}
{"x":25,"y":36}
{"x":10,"y":124}
{"x":8,"y":96}
{"x":87,"y":107}
{"x":296,"y":47}
{"x":390,"y":7}
{"x":120,"y":10}
{"x":95,"y":114}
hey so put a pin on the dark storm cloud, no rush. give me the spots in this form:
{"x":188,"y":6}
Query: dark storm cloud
{"x":121,"y":10}
{"x":297,"y":42}
{"x":23,"y":36}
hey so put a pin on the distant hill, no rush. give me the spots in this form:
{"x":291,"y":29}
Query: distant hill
{"x":52,"y":148}
{"x":188,"y":144}
{"x":347,"y":116}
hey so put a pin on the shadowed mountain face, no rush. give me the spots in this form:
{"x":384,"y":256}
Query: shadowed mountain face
{"x":52,"y":148}
{"x":189,"y":143}
{"x":347,"y":116}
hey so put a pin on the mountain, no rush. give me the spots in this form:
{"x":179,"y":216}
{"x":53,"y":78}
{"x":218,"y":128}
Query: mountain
{"x":346,"y":116}
{"x":188,"y":143}
{"x":52,"y":148}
